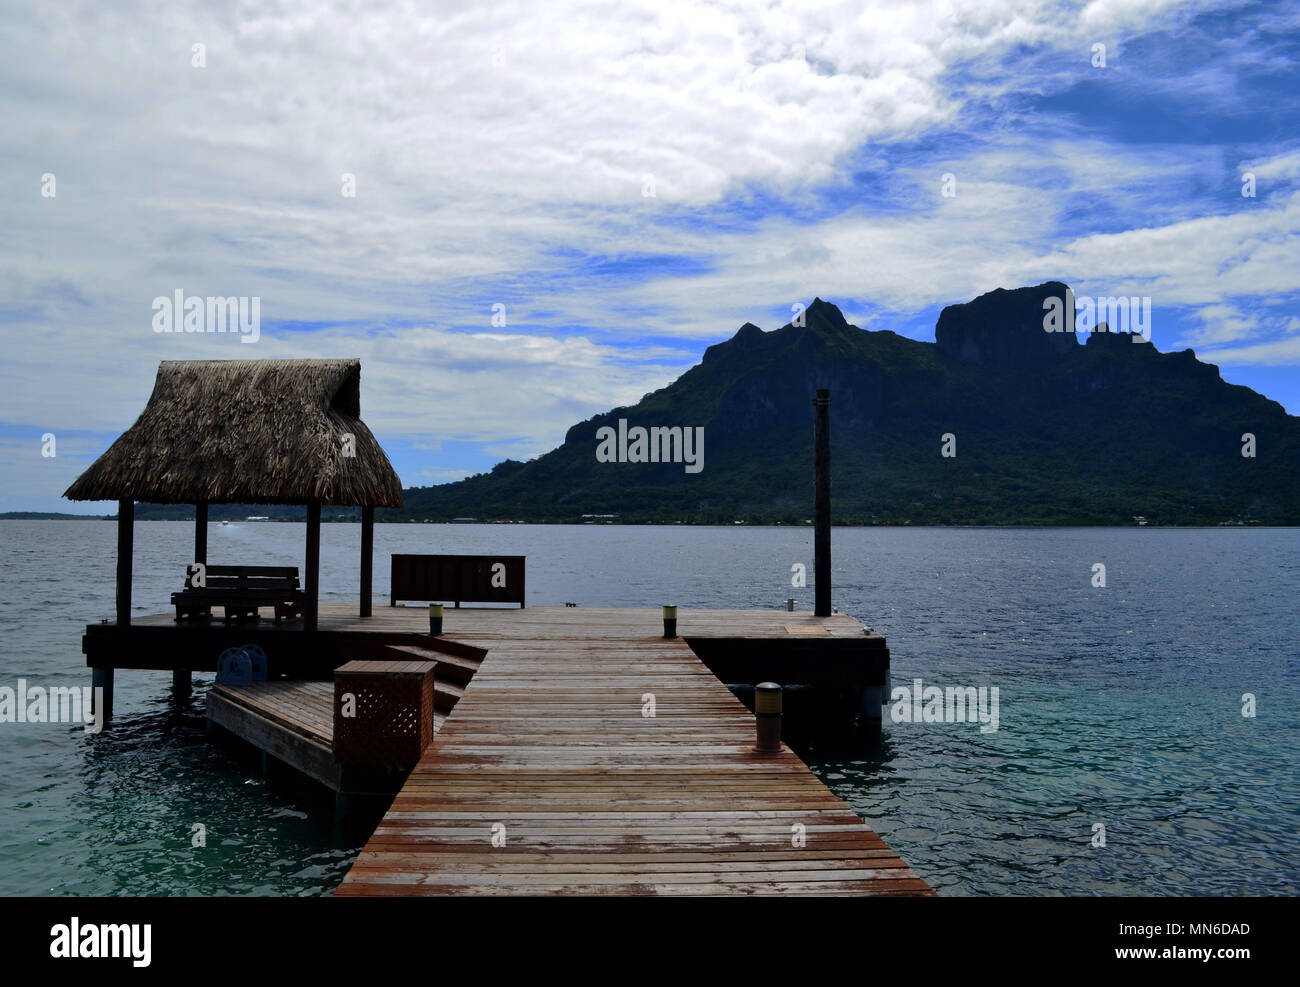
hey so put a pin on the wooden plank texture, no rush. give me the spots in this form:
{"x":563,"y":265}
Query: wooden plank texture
{"x":550,"y":778}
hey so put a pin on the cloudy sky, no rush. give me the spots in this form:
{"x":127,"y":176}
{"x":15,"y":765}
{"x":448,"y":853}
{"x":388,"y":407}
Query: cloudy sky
{"x":623,"y":183}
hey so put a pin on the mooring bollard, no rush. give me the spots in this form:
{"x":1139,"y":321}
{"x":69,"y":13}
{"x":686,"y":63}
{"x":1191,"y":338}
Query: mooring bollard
{"x":789,"y":603}
{"x":435,"y":619}
{"x":767,"y":718}
{"x":670,"y":621}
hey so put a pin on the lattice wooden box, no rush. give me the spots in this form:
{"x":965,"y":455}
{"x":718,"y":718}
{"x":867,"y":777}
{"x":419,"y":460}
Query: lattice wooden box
{"x":392,"y":712}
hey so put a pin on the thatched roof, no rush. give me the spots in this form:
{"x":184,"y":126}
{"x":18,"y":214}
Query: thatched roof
{"x":247,"y":431}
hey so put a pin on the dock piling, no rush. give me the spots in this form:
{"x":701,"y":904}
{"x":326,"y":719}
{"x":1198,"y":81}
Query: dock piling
{"x":435,"y":619}
{"x":311,"y":586}
{"x":125,"y":539}
{"x":201,"y":532}
{"x":873,"y":711}
{"x":182,"y":684}
{"x":102,"y":678}
{"x":822,"y":502}
{"x":767,"y":718}
{"x":367,"y":557}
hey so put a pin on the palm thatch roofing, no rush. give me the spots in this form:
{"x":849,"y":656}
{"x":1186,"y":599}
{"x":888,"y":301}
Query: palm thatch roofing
{"x":250,"y":432}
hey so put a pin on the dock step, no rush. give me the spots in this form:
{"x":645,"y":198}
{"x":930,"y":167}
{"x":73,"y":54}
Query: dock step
{"x":451,"y":668}
{"x":446,"y":694}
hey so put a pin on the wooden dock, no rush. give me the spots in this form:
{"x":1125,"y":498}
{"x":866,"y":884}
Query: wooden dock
{"x":551,"y":777}
{"x":292,"y":720}
{"x":576,"y":750}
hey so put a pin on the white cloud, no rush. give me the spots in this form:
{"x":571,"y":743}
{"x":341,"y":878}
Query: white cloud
{"x":1222,"y":324}
{"x":1278,"y":352}
{"x":1281,"y":166}
{"x":489,"y":145}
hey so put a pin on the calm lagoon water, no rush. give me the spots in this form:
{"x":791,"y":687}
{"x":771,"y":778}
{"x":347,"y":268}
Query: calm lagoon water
{"x":1119,"y":705}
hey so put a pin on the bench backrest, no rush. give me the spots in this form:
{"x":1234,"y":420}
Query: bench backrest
{"x":268,"y":577}
{"x":459,"y":578}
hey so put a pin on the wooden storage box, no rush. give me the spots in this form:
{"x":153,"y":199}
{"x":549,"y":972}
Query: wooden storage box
{"x":392,"y":707}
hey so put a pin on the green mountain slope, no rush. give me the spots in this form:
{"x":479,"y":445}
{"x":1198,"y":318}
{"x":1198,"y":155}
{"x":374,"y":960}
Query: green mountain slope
{"x":1047,"y":430}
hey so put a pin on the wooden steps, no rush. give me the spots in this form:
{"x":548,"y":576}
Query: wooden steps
{"x":450,"y":678}
{"x":451,"y":668}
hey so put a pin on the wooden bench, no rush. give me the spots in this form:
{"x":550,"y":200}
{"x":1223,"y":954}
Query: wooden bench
{"x":241,"y":590}
{"x":459,"y":578}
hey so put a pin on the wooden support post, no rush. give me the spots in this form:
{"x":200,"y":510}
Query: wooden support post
{"x":367,"y":557}
{"x":102,"y":678}
{"x":872,"y":711}
{"x":201,"y":533}
{"x":311,"y":587}
{"x":182,"y":684}
{"x":125,"y":538}
{"x":822,"y":502}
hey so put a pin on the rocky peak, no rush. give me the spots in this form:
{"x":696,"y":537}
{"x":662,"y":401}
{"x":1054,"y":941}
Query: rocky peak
{"x":1004,"y":329}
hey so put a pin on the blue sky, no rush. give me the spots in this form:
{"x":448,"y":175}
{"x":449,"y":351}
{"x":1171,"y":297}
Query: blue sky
{"x":631,"y":185}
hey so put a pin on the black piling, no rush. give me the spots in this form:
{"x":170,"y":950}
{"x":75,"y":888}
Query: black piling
{"x":822,"y":502}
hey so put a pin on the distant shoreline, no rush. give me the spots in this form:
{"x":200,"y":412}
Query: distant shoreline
{"x":52,"y":516}
{"x":42,"y":516}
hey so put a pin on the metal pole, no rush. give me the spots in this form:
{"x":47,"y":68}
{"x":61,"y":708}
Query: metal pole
{"x":822,"y":502}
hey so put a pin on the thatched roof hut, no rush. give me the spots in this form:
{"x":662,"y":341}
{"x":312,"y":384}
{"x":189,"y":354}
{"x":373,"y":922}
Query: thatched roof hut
{"x":247,"y":431}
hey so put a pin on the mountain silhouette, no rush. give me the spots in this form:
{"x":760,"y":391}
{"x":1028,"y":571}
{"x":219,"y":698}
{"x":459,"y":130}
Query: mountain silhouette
{"x":1045,"y":429}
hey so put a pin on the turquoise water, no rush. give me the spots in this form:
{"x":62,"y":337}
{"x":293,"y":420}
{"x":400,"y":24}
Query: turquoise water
{"x":1119,"y":706}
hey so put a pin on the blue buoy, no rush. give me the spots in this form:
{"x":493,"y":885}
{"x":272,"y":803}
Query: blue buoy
{"x":257,"y":657}
{"x":234,"y":667}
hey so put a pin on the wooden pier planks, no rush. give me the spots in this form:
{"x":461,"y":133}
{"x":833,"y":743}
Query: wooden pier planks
{"x":306,"y":708}
{"x":509,"y":623}
{"x":549,"y":755}
{"x":292,"y":721}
